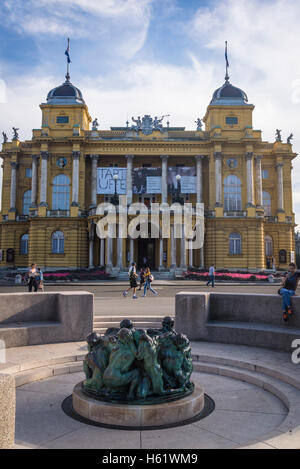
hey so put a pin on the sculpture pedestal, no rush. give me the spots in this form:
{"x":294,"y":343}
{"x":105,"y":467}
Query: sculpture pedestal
{"x":139,"y":416}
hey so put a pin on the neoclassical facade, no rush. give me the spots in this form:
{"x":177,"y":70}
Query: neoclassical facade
{"x":51,"y":187}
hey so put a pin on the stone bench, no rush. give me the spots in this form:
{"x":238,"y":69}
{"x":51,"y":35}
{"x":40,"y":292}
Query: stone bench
{"x":45,"y":318}
{"x":241,"y":319}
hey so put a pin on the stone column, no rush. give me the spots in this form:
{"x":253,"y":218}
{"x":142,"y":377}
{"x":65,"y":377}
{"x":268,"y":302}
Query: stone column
{"x":13,"y":186}
{"x":102,"y":256}
{"x":94,"y":181}
{"x":120,"y":253}
{"x":218,"y":178}
{"x":190,"y":254}
{"x":250,"y":198}
{"x":182,"y":250}
{"x":43,"y":187}
{"x":7,"y":411}
{"x":279,"y":167}
{"x":131,"y":250}
{"x":161,"y":254}
{"x":91,"y":247}
{"x":109,"y":252}
{"x":129,"y":179}
{"x":33,"y":203}
{"x":164,"y":180}
{"x":75,"y":178}
{"x":259,"y":199}
{"x":173,"y":249}
{"x":199,"y":160}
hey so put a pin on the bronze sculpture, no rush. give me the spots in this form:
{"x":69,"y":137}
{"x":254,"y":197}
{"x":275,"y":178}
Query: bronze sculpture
{"x":138,"y":366}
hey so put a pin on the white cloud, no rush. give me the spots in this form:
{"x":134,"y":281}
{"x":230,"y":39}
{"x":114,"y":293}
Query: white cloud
{"x":121,"y":24}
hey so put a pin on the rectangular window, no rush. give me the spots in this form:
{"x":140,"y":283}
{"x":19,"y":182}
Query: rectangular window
{"x":28,"y":172}
{"x":62,"y":119}
{"x":232,"y":120}
{"x":265,"y":173}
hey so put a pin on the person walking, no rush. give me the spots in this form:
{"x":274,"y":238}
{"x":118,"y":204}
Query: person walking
{"x":211,"y":276}
{"x":288,"y":289}
{"x":142,"y":278}
{"x":40,"y":280}
{"x":148,"y":279}
{"x":32,"y":275}
{"x":132,"y":281}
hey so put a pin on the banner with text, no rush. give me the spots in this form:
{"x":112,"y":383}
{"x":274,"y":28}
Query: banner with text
{"x":106,"y":182}
{"x":147,"y":180}
{"x":188,"y":183}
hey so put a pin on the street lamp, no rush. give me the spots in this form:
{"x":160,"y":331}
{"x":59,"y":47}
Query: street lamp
{"x":178,"y":199}
{"x":115,"y":198}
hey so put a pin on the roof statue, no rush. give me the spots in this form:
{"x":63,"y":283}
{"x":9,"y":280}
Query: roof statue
{"x":5,"y":139}
{"x":16,"y":134}
{"x":95,"y":124}
{"x":278,"y":135}
{"x":199,"y":124}
{"x":148,"y":125}
{"x":290,"y":138}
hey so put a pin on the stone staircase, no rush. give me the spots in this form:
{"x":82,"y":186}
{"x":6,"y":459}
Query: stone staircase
{"x":101,"y":323}
{"x":165,"y":275}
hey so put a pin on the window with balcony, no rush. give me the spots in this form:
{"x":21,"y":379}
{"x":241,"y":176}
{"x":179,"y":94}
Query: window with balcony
{"x":26,"y":202}
{"x":61,"y":192}
{"x":24,"y":244}
{"x":267,"y":204}
{"x":58,"y":242}
{"x":232,"y":194}
{"x":235,"y":243}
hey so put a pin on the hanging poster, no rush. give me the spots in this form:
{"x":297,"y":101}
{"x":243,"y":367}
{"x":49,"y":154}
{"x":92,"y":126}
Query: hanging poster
{"x":106,"y":182}
{"x":147,"y":180}
{"x":188,"y":183}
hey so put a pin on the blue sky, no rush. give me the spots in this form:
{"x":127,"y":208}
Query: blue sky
{"x":132,"y":57}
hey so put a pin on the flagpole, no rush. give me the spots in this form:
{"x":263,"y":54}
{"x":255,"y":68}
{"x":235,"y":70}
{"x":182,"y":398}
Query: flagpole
{"x":68,"y":62}
{"x":227,"y":63}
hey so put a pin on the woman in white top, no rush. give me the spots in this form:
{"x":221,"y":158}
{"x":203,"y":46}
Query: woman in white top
{"x":32,"y":275}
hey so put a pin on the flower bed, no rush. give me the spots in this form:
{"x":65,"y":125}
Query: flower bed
{"x":100,"y":274}
{"x":237,"y":276}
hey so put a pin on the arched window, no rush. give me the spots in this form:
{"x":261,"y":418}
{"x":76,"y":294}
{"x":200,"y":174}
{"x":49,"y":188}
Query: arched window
{"x":26,"y":202}
{"x":268,"y":246}
{"x":61,"y":192}
{"x":235,"y":243}
{"x":232,"y":194}
{"x":58,"y":242}
{"x":267,"y":203}
{"x":24,"y":244}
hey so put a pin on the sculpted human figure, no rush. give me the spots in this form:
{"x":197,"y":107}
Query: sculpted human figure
{"x":96,"y":361}
{"x":199,"y":124}
{"x":278,"y":135}
{"x":157,"y":124}
{"x":138,"y":123}
{"x":16,"y":135}
{"x":148,"y":353}
{"x":119,"y":373}
{"x":290,"y":138}
{"x":4,"y":137}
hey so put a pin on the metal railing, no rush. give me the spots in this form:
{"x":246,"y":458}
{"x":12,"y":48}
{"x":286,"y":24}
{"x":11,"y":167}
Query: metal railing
{"x":58,"y":213}
{"x":235,"y":213}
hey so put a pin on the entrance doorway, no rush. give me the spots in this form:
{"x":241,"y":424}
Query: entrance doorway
{"x":146,"y":252}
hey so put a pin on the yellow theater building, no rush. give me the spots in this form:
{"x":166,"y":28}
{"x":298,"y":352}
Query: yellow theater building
{"x":53,"y":183}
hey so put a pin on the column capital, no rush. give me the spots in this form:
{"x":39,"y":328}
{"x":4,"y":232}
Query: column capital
{"x":44,"y":155}
{"x":249,"y":155}
{"x":200,"y":157}
{"x":129,"y":157}
{"x":279,"y":165}
{"x":94,"y":157}
{"x":164,"y":157}
{"x":35,"y":157}
{"x":258,"y":158}
{"x":14,"y":164}
{"x":76,"y":155}
{"x":218,"y":155}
